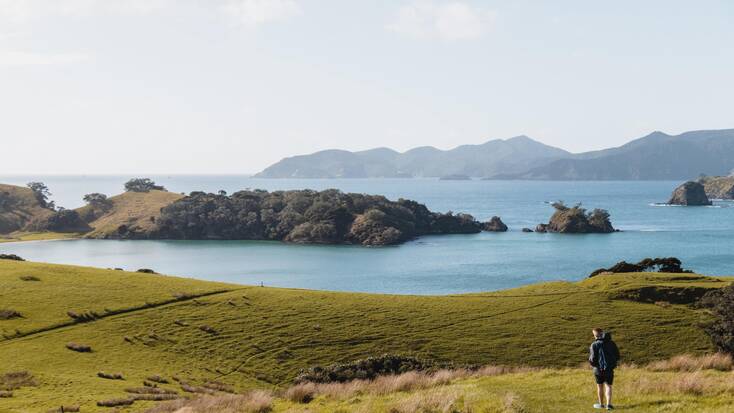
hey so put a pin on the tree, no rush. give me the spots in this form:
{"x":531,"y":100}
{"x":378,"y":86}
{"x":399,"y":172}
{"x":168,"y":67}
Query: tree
{"x":42,"y":193}
{"x":142,"y":185}
{"x":97,"y":200}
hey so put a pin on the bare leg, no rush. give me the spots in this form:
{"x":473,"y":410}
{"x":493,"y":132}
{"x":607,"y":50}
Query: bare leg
{"x":609,"y":394}
{"x":600,"y":393}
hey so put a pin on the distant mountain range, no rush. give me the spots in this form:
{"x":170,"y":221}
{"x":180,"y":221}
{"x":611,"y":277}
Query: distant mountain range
{"x":653,"y":157}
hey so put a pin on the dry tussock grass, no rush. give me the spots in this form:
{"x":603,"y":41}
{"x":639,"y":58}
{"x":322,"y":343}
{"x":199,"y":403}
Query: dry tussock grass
{"x":513,"y":404}
{"x":16,"y":380}
{"x":442,"y":401}
{"x":253,"y":402}
{"x":696,"y":383}
{"x":382,"y":385}
{"x":689,"y":363}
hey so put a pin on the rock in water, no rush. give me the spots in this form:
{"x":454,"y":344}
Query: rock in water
{"x":691,"y":194}
{"x":494,"y":225}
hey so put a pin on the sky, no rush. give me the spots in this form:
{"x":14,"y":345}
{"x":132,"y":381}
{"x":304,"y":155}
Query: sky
{"x":232,"y":86}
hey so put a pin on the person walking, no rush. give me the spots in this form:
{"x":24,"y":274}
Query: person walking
{"x":603,"y":357}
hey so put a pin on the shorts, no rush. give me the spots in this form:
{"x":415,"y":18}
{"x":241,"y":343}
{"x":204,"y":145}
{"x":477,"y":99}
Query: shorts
{"x":604,"y":376}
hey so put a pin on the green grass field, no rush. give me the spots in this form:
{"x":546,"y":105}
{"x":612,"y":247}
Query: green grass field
{"x":254,"y":337}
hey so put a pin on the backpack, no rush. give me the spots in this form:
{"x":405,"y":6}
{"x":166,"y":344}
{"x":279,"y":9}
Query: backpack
{"x":607,"y":359}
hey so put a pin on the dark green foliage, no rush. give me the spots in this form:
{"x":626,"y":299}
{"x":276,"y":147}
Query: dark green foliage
{"x":369,"y":368}
{"x":305,"y":216}
{"x":669,"y":265}
{"x":721,"y":303}
{"x":42,"y":193}
{"x":142,"y":185}
{"x":97,"y":200}
{"x":11,"y":257}
{"x":63,"y":220}
{"x":146,"y":271}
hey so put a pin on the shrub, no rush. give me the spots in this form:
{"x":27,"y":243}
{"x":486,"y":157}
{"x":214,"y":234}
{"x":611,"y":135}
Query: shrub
{"x":11,"y":257}
{"x":669,"y":265}
{"x":146,"y":271}
{"x":63,"y":220}
{"x":110,"y":376}
{"x":142,"y":185}
{"x":116,"y":402}
{"x":29,"y":278}
{"x":721,"y":304}
{"x":368,"y":368}
{"x":208,"y":329}
{"x":80,"y":348}
{"x":156,"y":378}
{"x":7,"y":314}
{"x":219,"y":386}
{"x":6,"y":394}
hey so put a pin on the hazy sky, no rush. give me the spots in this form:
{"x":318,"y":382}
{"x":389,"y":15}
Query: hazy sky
{"x":230,"y":86}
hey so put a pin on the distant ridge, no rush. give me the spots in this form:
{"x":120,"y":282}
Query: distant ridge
{"x":657,"y":156}
{"x":496,"y":156}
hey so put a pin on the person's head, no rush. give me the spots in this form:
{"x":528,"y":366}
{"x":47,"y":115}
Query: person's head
{"x":598,"y":332}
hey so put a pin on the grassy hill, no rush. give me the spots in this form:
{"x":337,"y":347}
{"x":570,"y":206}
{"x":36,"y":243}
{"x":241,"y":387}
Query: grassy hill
{"x":136,"y":211}
{"x":18,"y":207}
{"x":253,"y":337}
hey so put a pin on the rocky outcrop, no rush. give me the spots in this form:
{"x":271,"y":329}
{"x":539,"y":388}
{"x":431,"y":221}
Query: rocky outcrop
{"x":527,"y":230}
{"x":690,"y":194}
{"x":495,"y":224}
{"x":718,"y":187}
{"x":576,"y":220}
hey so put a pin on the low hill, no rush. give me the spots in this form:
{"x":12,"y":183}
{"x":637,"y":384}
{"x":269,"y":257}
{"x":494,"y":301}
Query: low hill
{"x":657,"y":156}
{"x":203,"y":333}
{"x":496,"y":156}
{"x":18,"y":208}
{"x":127,"y":213}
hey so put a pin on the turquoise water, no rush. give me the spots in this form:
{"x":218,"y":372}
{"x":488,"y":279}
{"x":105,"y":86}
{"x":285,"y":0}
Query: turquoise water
{"x":703,"y":237}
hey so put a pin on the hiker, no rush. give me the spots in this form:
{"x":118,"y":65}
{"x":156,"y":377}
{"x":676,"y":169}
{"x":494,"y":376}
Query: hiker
{"x":603,"y":356}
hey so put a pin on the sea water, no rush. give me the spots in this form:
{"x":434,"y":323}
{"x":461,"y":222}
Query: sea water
{"x":702,"y":237}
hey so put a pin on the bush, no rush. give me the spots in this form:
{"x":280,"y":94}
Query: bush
{"x":116,"y":402}
{"x":11,"y":257}
{"x":721,"y":304}
{"x":80,"y":348}
{"x":7,"y":314}
{"x":668,"y":265}
{"x":367,"y":369}
{"x":142,"y":185}
{"x":29,"y":278}
{"x":110,"y":376}
{"x":63,"y":220}
{"x":146,"y":271}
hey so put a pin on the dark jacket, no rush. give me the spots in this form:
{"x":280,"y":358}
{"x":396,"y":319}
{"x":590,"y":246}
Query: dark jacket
{"x":608,"y":347}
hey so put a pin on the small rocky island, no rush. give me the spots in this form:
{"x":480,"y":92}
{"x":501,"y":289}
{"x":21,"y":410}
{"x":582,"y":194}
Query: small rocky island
{"x":690,"y":193}
{"x":495,"y":224}
{"x":576,"y":220}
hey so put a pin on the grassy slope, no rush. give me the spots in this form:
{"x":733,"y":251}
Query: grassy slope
{"x":134,"y":209}
{"x":24,"y":208}
{"x":266,"y":335}
{"x":548,"y":391}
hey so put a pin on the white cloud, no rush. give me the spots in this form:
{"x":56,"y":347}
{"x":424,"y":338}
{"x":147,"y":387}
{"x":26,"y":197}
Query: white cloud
{"x":252,"y":13}
{"x":20,"y":58}
{"x":452,"y":20}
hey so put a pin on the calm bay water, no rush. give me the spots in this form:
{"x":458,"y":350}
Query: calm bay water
{"x":703,"y":237}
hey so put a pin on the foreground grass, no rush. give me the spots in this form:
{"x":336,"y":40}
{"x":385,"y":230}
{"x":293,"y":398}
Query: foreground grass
{"x":254,"y":337}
